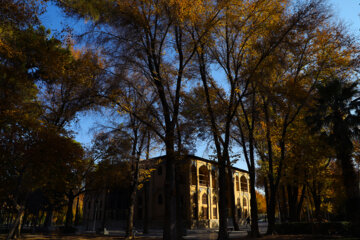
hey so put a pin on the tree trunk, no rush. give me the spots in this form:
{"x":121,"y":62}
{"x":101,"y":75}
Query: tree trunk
{"x":77,"y":212}
{"x":300,"y":204}
{"x":69,"y":212}
{"x":103,"y":224}
{"x":130,"y":217}
{"x":146,"y":209}
{"x":48,"y":219}
{"x":223,"y":209}
{"x":146,"y":190}
{"x":180,"y":228}
{"x":271,"y":210}
{"x":253,"y":204}
{"x":170,"y":190}
{"x":15,"y":231}
{"x":234,"y":216}
{"x":351,"y":186}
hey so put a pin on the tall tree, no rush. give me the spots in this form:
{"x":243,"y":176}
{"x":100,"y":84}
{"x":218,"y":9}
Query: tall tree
{"x":243,"y":44}
{"x":310,"y":55}
{"x":150,"y":39}
{"x":336,"y":115}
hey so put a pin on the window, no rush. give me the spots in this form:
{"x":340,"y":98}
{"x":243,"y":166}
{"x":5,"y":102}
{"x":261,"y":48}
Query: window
{"x":204,"y":213}
{"x":215,"y":212}
{"x":204,"y":199}
{"x":244,"y":202}
{"x":160,"y":199}
{"x":244,"y":185}
{"x":214,"y":200}
{"x":213,"y":178}
{"x":204,"y":176}
{"x":238,"y":202}
{"x":237,"y":183}
{"x":160,"y":170}
{"x":193,"y":175}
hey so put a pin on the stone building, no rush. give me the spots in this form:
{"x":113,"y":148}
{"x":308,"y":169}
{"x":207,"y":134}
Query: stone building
{"x":197,"y":183}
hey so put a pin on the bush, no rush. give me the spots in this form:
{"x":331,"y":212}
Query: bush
{"x":67,"y":230}
{"x":329,"y":228}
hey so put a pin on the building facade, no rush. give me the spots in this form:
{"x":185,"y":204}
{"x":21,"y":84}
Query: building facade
{"x":197,"y":183}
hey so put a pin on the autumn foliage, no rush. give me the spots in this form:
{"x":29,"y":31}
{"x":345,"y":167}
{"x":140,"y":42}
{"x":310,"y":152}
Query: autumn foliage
{"x":274,"y":82}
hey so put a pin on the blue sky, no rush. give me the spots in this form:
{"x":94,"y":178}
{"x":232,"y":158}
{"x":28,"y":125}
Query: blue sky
{"x":54,"y":19}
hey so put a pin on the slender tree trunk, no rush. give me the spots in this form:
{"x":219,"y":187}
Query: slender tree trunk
{"x":130,"y":217}
{"x":179,"y":205}
{"x":15,"y":231}
{"x":170,"y":190}
{"x":104,"y":217}
{"x":48,"y":219}
{"x":351,"y":186}
{"x":253,"y":204}
{"x":271,"y":210}
{"x":146,"y":190}
{"x":77,"y":212}
{"x":223,"y":209}
{"x":146,"y":206}
{"x":234,"y":216}
{"x":69,"y":212}
{"x":300,"y":204}
{"x":283,"y":202}
{"x":292,"y":202}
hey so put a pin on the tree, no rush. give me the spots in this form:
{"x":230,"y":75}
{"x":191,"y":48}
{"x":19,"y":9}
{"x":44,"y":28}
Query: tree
{"x":243,"y":48}
{"x":336,"y":116}
{"x":149,"y":38}
{"x":29,"y":60}
{"x":302,"y":61}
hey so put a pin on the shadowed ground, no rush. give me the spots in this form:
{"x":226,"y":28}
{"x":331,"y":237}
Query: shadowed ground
{"x":97,"y":237}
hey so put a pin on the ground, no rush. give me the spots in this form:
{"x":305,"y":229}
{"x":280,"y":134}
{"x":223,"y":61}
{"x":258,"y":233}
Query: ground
{"x":98,"y":237}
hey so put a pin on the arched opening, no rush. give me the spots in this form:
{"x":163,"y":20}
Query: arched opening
{"x":214,"y":200}
{"x":215,"y":207}
{"x":238,"y":204}
{"x":203,"y":176}
{"x":244,"y":185}
{"x":204,"y":199}
{"x":237,"y":183}
{"x":193,"y":175}
{"x":244,"y":202}
{"x":213,"y":178}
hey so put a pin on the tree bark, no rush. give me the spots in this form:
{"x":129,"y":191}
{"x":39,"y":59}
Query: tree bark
{"x":48,"y":219}
{"x":69,"y":212}
{"x":146,"y":209}
{"x":180,"y":228}
{"x":253,"y":204}
{"x":130,"y":217}
{"x":234,"y":215}
{"x":223,"y":210}
{"x":170,"y":190}
{"x":15,"y":231}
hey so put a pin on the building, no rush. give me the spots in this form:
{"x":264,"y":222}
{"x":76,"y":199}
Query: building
{"x":197,"y":183}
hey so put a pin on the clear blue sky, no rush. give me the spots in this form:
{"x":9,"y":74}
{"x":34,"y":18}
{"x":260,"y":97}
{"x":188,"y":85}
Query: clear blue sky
{"x":54,"y":19}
